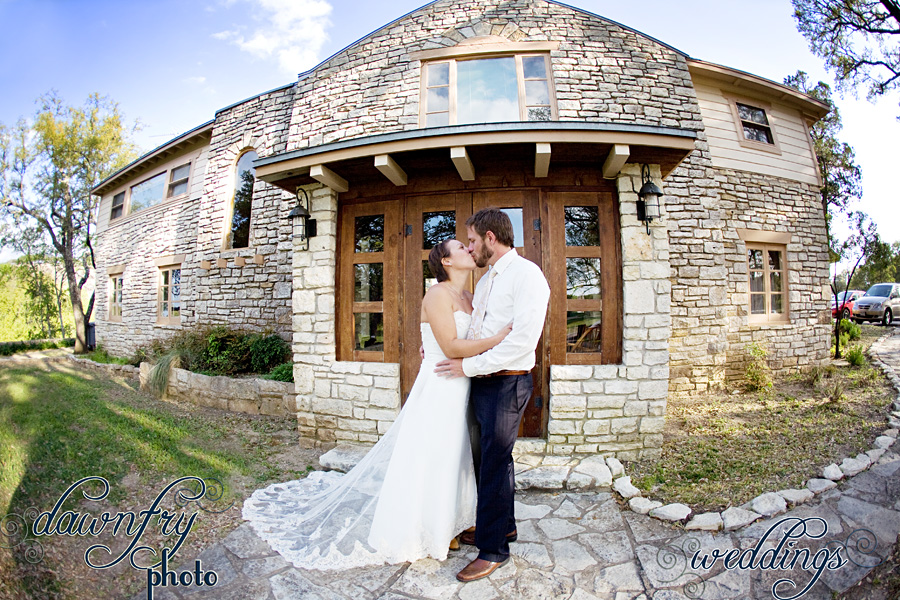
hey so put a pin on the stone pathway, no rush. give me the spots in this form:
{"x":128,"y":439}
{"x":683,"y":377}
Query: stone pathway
{"x":583,"y":546}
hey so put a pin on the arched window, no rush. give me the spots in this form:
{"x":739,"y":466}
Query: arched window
{"x":245,"y":175}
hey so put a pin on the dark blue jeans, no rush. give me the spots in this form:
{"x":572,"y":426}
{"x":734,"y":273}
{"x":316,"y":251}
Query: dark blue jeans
{"x":499,"y":404}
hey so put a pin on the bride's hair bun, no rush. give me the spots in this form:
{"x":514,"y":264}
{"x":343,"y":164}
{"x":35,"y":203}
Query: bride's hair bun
{"x":438,"y":253}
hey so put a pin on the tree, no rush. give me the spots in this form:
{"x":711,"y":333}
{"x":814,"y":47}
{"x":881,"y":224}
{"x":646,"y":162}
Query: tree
{"x":855,"y":249}
{"x":47,"y":170}
{"x":882,"y":265}
{"x":859,"y":40}
{"x":841,"y":176}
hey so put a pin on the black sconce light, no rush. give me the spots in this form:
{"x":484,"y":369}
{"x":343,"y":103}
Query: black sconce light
{"x":648,"y":199}
{"x":300,"y":216}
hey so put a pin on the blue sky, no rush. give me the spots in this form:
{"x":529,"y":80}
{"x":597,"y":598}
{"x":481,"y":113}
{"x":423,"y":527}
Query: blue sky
{"x":171,"y":64}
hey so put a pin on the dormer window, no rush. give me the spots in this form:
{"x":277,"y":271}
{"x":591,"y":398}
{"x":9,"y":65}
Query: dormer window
{"x":755,"y":123}
{"x":487,"y":90}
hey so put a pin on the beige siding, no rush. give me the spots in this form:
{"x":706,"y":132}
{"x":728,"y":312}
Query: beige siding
{"x":197,"y":158}
{"x":795,"y":161}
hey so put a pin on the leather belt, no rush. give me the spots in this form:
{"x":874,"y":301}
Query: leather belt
{"x":505,"y":373}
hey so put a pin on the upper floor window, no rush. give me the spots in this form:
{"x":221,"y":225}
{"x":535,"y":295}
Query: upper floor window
{"x":147,"y":193}
{"x":487,"y":90}
{"x":178,"y":180}
{"x":150,"y":192}
{"x":767,"y":271}
{"x":245,"y":176}
{"x":118,"y":205}
{"x":755,"y":123}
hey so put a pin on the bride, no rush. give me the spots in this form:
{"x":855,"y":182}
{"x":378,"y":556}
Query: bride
{"x":415,"y":489}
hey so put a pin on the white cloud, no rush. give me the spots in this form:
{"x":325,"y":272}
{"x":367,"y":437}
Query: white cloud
{"x":195,"y":80}
{"x":292,"y":31}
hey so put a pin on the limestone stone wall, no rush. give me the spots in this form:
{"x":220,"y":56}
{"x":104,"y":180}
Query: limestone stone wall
{"x":710,"y":328}
{"x":256,"y":294}
{"x":602,"y":71}
{"x":758,"y":202}
{"x":248,"y":288}
{"x":165,"y":230}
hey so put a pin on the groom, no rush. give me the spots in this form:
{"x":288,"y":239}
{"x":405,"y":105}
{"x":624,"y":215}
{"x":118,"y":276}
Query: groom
{"x":513,"y":289}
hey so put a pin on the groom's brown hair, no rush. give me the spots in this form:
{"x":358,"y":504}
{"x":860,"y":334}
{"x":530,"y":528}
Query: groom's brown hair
{"x":493,"y":219}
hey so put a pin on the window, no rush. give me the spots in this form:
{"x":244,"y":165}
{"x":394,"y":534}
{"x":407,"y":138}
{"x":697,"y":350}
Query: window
{"x":118,"y":205}
{"x":169,"y":295}
{"x":755,"y":124}
{"x":586,"y":285}
{"x":115,"y":297}
{"x":245,"y":176}
{"x":487,"y":90}
{"x":368,"y":321}
{"x":178,"y":180}
{"x":147,"y":193}
{"x":150,"y":192}
{"x":767,"y":282}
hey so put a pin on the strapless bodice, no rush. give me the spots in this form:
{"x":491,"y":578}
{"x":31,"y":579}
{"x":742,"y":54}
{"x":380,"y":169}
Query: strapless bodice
{"x":433,"y":352}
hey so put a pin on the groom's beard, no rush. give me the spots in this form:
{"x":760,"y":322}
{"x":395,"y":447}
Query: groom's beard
{"x":482,"y":257}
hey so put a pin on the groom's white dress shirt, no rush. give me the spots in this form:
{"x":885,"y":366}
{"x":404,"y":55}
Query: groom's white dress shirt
{"x":519,"y":294}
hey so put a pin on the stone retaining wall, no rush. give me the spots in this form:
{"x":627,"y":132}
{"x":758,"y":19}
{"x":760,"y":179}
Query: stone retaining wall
{"x":250,"y":396}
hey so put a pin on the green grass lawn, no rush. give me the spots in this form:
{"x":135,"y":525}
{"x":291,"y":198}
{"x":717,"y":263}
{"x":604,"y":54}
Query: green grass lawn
{"x":59,"y":423}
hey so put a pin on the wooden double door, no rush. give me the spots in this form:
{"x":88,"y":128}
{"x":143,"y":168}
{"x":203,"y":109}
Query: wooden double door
{"x":432,"y":218}
{"x":421,"y":221}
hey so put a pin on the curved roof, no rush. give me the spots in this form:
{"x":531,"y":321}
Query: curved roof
{"x":305,"y":74}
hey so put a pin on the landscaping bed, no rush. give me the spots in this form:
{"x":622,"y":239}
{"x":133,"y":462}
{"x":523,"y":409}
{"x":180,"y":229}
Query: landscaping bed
{"x":723,"y":448}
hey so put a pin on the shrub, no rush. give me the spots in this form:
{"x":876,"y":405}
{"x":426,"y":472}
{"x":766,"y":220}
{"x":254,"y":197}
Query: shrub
{"x":267,"y":352}
{"x":283,"y":372}
{"x":758,"y":375}
{"x":853,"y":330}
{"x":227,"y":351}
{"x":855,"y":356}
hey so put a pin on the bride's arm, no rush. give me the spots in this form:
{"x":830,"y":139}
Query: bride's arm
{"x":437,"y":310}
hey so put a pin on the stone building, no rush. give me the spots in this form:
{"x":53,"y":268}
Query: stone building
{"x":557,"y":116}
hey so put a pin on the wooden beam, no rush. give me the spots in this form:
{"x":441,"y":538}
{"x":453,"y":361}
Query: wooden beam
{"x":541,"y":159}
{"x":390,"y":169}
{"x":326,"y":176}
{"x":463,"y":163}
{"x":615,"y":160}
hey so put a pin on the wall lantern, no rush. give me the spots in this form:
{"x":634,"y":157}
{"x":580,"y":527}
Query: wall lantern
{"x":648,"y":199}
{"x":300,"y":217}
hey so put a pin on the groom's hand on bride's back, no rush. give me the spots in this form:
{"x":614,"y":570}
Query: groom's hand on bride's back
{"x":449,"y":368}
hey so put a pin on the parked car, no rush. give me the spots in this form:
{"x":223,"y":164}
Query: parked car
{"x":844,"y":304}
{"x":881,"y":303}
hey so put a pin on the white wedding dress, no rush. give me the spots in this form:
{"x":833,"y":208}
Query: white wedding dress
{"x":405,"y":500}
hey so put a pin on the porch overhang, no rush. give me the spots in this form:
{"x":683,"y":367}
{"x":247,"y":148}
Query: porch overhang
{"x":610,"y":145}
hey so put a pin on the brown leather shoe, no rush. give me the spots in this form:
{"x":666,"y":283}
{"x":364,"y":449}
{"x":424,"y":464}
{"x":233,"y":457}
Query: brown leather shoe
{"x":479,"y":569}
{"x":468,"y":537}
{"x":454,"y":544}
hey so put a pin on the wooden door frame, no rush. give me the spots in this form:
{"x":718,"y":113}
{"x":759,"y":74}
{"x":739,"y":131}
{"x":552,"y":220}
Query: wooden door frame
{"x":547,"y":249}
{"x":410,"y":288}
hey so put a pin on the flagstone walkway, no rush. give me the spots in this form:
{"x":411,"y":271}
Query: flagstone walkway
{"x":583,"y":546}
